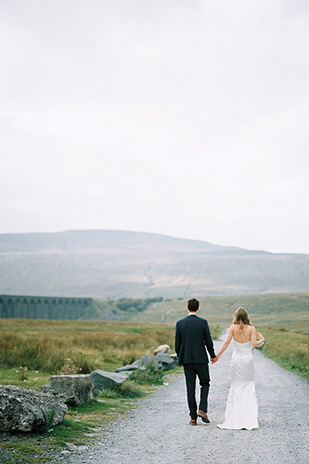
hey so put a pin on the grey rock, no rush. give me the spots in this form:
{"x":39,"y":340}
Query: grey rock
{"x":25,"y":410}
{"x":160,"y":360}
{"x":145,"y":360}
{"x":104,"y":379}
{"x":166,"y":360}
{"x":126,"y":368}
{"x":73,"y":390}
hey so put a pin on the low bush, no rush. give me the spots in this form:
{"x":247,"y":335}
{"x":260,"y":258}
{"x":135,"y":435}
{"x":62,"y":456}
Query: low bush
{"x":152,"y":375}
{"x":127,"y":389}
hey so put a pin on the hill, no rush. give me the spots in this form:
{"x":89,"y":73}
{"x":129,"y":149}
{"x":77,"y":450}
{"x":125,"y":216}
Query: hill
{"x":116,"y":264}
{"x":285,"y":310}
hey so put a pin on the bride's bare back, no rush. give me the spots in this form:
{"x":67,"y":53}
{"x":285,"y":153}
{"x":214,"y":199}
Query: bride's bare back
{"x":242,"y":333}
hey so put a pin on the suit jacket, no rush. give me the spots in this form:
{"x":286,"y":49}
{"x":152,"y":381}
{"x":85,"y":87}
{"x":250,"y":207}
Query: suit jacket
{"x":192,"y":334}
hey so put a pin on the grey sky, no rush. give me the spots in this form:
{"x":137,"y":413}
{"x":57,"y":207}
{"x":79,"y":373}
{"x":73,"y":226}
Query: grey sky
{"x":186,"y":118}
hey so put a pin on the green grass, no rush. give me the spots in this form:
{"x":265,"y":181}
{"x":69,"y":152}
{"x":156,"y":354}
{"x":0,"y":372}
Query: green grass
{"x":288,"y":349}
{"x":44,"y":345}
{"x":151,"y":375}
{"x":286,"y":308}
{"x":34,"y":379}
{"x":282,"y":318}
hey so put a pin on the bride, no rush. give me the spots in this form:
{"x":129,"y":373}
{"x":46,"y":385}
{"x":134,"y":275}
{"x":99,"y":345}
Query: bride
{"x":241,"y":408}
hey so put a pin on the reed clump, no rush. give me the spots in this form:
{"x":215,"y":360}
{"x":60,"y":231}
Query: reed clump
{"x":47,"y":345}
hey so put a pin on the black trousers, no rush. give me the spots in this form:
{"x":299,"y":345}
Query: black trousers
{"x":202,"y":371}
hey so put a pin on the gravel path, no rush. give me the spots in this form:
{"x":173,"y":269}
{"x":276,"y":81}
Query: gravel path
{"x":157,"y":431}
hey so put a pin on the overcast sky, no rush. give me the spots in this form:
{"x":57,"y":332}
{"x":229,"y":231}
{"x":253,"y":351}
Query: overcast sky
{"x":182,"y":117}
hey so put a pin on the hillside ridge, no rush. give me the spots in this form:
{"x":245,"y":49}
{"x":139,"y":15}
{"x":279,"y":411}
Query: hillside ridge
{"x":116,"y":264}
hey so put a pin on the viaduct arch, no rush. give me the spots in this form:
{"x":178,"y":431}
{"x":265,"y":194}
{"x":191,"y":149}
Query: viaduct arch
{"x":42,"y":307}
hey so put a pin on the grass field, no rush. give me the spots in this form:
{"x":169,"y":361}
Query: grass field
{"x":44,"y":345}
{"x":282,"y":318}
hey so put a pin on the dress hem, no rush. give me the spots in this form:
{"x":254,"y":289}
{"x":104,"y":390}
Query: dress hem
{"x":236,"y":428}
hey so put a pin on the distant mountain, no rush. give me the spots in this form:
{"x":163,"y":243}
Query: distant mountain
{"x":115,"y":264}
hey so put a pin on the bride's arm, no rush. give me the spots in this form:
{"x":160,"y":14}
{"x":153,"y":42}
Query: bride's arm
{"x":224,"y":346}
{"x":254,"y":341}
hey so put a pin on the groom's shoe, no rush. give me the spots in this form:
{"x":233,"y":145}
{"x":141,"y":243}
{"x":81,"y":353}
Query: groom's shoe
{"x":203,"y":416}
{"x":192,"y":422}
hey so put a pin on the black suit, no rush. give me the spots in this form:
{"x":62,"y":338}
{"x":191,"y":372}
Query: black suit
{"x":192,"y":334}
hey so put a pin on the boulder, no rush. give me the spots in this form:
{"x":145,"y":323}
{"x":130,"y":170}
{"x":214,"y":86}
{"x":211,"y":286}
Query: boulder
{"x":162,"y":349}
{"x":25,"y":410}
{"x":145,"y":360}
{"x":73,"y":390}
{"x":126,"y":368}
{"x":104,"y":379}
{"x":160,"y":360}
{"x":166,"y":361}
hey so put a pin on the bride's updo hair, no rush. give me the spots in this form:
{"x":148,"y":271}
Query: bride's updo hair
{"x":241,"y":317}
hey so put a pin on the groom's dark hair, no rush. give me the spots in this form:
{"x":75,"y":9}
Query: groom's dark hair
{"x":193,"y":305}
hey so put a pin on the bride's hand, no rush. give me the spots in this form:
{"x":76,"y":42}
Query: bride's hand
{"x":214,"y":360}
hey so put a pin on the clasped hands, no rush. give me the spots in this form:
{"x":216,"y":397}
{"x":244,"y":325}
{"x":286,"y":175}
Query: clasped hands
{"x":214,"y":360}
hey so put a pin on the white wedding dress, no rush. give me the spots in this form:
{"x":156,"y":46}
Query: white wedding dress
{"x":241,"y":408}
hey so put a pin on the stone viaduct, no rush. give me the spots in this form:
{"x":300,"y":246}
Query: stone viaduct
{"x":42,"y":307}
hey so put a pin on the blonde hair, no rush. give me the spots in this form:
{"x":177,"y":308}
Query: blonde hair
{"x":241,"y":317}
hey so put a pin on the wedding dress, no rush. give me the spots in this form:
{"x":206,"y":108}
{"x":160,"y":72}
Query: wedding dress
{"x":241,"y":408}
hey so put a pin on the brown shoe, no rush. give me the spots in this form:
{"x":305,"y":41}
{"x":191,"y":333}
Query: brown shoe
{"x":192,"y":422}
{"x":203,"y":416}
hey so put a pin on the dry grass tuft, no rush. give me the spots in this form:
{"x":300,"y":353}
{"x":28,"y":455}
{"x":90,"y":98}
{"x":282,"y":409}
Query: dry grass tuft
{"x":47,"y":345}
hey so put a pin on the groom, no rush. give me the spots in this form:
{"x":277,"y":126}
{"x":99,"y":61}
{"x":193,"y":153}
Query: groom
{"x":192,"y":334}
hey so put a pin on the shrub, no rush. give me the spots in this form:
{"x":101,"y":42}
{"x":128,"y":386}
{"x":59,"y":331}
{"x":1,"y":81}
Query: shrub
{"x":69,"y":368}
{"x":126,"y":390}
{"x":151,"y":374}
{"x":132,"y":304}
{"x":22,"y":373}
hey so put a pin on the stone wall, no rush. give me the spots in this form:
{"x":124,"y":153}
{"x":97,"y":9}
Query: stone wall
{"x":41,"y":307}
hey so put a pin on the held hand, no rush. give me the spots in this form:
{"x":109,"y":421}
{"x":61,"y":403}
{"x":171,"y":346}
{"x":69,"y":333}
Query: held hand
{"x":214,"y":360}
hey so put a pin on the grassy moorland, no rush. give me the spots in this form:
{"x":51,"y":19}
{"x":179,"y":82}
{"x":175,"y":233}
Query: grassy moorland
{"x":282,"y":318}
{"x":44,"y":345}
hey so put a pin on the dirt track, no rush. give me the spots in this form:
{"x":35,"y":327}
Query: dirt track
{"x":157,"y":431}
